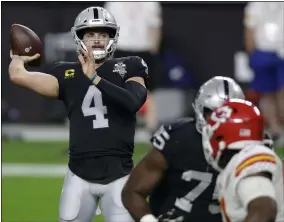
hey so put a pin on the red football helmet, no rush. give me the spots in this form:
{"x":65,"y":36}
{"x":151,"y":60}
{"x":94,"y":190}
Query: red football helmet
{"x":232,"y":126}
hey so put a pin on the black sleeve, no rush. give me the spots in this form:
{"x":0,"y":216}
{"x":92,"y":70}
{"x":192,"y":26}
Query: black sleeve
{"x":137,"y":68}
{"x":131,"y":97}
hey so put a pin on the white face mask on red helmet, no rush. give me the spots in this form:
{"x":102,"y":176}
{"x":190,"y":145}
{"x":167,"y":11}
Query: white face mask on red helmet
{"x":96,"y":17}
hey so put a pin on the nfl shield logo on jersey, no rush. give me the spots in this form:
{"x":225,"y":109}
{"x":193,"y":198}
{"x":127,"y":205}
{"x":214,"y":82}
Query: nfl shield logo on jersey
{"x":120,"y":68}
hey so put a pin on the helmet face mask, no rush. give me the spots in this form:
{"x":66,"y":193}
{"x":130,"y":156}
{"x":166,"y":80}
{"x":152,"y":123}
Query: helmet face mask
{"x":96,"y":18}
{"x":211,"y":157}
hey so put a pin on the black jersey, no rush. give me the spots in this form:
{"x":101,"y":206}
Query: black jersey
{"x":189,"y":182}
{"x":99,"y":127}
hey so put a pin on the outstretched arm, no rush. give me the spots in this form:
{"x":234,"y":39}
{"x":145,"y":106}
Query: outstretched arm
{"x":42,"y":83}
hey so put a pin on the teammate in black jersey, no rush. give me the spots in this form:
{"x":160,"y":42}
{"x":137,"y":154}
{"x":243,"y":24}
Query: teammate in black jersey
{"x":174,"y":173}
{"x":102,"y":96}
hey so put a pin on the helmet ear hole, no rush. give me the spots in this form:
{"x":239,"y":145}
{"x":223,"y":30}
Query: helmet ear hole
{"x":206,"y":112}
{"x":219,"y":138}
{"x":111,"y":32}
{"x":80,"y":34}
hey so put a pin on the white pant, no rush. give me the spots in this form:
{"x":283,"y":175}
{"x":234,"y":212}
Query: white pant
{"x":79,"y":200}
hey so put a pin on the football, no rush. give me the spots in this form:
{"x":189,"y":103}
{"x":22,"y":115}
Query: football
{"x":24,"y":41}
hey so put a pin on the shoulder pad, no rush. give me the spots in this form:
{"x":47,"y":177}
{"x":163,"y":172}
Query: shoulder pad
{"x":127,"y":59}
{"x":138,"y":62}
{"x":59,"y":68}
{"x":163,"y":134}
{"x":254,"y":160}
{"x":59,"y":63}
{"x":131,"y":58}
{"x":177,"y":124}
{"x":136,"y":66}
{"x":64,"y":64}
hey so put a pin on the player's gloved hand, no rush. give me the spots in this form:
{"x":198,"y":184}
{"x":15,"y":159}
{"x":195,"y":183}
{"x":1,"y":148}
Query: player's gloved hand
{"x":171,"y":216}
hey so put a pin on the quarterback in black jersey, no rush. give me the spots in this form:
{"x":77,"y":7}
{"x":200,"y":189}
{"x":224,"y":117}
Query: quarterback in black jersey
{"x":102,"y":96}
{"x":174,"y":173}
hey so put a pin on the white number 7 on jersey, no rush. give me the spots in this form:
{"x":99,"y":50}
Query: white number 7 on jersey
{"x":98,"y":110}
{"x":205,"y":179}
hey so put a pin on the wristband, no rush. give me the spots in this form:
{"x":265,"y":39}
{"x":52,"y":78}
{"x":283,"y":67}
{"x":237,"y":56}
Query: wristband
{"x":94,"y":76}
{"x":148,"y":218}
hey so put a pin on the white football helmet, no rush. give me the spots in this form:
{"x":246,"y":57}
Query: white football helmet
{"x":212,"y":94}
{"x":96,"y":17}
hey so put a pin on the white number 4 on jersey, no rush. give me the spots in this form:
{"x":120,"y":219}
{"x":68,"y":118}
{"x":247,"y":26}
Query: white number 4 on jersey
{"x":98,"y":110}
